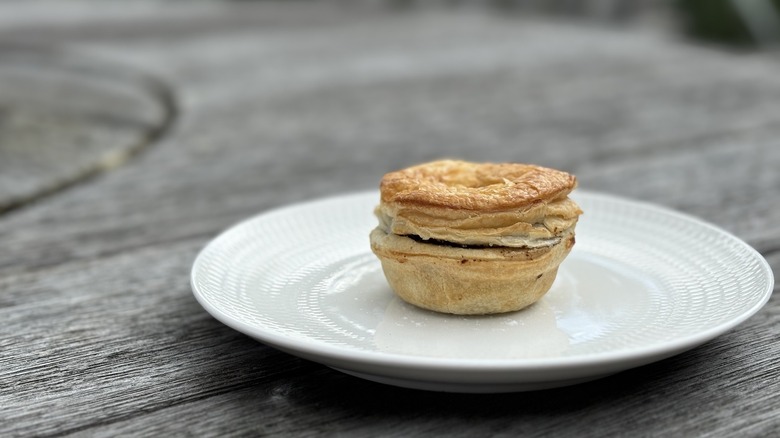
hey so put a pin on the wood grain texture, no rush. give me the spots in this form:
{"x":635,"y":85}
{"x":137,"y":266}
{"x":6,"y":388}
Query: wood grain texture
{"x":66,"y":117}
{"x":100,"y":335}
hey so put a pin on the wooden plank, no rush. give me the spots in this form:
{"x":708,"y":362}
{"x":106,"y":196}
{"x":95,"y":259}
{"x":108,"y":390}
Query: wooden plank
{"x":104,"y":340}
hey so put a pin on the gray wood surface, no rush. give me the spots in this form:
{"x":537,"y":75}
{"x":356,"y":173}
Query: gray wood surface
{"x":66,"y":117}
{"x":278,"y":103}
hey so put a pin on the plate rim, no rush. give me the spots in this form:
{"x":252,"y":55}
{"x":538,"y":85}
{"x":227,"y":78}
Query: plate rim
{"x":334,"y":353}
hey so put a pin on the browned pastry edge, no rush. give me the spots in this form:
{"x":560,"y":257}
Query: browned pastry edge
{"x":484,"y":187}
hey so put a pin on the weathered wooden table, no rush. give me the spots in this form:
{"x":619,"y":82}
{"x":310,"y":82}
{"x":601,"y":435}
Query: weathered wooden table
{"x":198,"y":116}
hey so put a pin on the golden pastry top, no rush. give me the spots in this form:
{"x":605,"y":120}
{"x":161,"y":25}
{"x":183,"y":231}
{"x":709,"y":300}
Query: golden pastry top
{"x":484,"y":187}
{"x":510,"y":205}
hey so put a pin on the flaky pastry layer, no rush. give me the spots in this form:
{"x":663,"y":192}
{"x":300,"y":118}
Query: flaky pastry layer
{"x":512,"y":205}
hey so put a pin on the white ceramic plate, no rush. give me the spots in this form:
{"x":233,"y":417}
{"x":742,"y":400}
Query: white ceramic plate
{"x":643,"y":283}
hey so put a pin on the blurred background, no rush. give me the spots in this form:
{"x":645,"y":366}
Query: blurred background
{"x":733,"y":23}
{"x":86,"y":85}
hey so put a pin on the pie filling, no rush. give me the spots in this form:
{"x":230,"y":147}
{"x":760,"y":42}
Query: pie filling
{"x":547,"y":242}
{"x":517,"y":241}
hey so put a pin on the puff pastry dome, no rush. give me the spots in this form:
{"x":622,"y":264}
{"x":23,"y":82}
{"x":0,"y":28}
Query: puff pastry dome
{"x":474,"y":238}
